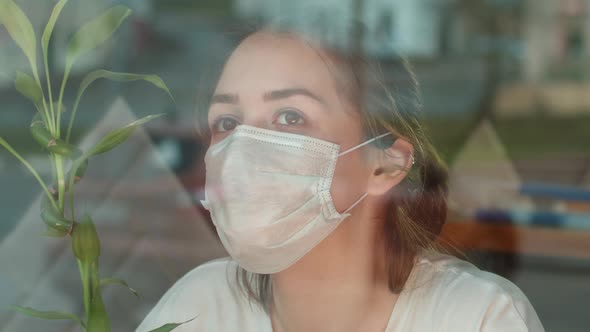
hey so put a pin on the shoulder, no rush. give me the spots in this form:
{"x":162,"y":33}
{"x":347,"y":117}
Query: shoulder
{"x":197,"y":294}
{"x":461,"y":293}
{"x":208,"y":277}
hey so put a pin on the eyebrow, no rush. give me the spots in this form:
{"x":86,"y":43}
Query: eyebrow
{"x":286,"y":93}
{"x":224,"y":98}
{"x":228,"y":98}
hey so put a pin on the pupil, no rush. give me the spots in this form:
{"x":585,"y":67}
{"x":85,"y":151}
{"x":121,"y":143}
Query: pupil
{"x":229,"y":124}
{"x":291,"y":118}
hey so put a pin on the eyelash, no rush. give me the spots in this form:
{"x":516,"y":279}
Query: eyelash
{"x":285,"y":111}
{"x":218,"y":121}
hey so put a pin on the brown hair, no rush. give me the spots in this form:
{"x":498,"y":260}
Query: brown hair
{"x":417,"y":207}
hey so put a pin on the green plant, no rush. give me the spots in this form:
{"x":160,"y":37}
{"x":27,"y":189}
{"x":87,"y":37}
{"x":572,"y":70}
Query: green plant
{"x":46,"y":130}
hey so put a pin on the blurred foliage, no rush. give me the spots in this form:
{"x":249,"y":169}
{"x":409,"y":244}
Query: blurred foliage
{"x":209,"y":7}
{"x":24,"y":142}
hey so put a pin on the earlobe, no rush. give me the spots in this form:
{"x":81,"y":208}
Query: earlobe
{"x":392,"y":167}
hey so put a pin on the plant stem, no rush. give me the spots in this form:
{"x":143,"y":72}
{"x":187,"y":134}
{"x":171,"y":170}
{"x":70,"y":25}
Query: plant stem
{"x":49,"y":119}
{"x":44,"y":116}
{"x":84,"y":276}
{"x":61,"y":184}
{"x":61,"y":94}
{"x":53,"y":168}
{"x":49,"y":90}
{"x":72,"y":117}
{"x":73,"y":213}
{"x":75,"y":165}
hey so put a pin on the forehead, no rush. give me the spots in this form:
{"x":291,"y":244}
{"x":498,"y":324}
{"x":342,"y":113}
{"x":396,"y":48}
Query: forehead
{"x":266,"y":61}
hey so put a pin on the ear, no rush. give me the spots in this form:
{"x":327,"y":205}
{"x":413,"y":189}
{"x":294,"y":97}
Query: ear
{"x":391,"y":167}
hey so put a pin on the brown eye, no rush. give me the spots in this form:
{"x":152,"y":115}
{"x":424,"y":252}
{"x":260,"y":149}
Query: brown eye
{"x":225,"y":124}
{"x":290,"y":118}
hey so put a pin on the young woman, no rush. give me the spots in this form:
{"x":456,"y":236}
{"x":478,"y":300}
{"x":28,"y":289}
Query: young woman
{"x":328,"y":197}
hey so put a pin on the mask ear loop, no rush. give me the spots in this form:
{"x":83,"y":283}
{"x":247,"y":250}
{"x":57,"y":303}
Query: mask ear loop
{"x":346,"y":212}
{"x":362,"y":144}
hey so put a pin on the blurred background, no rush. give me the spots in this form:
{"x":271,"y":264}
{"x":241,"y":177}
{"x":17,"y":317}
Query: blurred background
{"x":506,"y":88}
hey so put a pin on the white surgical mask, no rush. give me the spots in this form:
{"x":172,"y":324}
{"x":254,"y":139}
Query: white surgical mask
{"x":268,"y":193}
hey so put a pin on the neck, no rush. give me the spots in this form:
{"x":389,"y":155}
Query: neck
{"x":343,"y":277}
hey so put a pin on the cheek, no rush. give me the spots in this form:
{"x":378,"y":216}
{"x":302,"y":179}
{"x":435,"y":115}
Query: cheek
{"x":350,"y":180}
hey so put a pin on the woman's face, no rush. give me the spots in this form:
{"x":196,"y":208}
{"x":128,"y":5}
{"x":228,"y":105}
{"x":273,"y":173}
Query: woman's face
{"x":281,"y":83}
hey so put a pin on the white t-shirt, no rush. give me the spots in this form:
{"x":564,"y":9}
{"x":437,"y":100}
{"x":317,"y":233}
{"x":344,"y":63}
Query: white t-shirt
{"x":442,"y":294}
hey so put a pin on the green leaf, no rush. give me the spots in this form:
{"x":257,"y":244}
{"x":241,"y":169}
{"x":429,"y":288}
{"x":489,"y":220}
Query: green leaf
{"x":28,"y":87}
{"x":85,"y":241}
{"x":50,"y":25}
{"x":118,"y":136}
{"x":171,"y":326}
{"x":121,"y":77}
{"x":45,"y":38}
{"x":48,"y":314}
{"x":20,"y":29}
{"x":108,"y":281}
{"x":98,"y":320}
{"x":114,"y":76}
{"x":95,"y":33}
